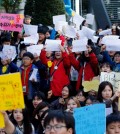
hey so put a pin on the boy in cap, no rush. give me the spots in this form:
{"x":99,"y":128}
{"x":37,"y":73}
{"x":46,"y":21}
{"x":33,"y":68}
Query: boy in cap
{"x":27,"y":19}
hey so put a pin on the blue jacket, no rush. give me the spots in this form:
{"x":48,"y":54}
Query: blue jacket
{"x":12,"y":68}
{"x":115,"y":66}
{"x":32,"y":86}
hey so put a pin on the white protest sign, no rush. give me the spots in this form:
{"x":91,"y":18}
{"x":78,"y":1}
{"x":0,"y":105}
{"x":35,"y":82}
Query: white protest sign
{"x":81,"y":34}
{"x":69,"y":31}
{"x":34,"y":75}
{"x":9,"y":51}
{"x":89,"y":33}
{"x":94,"y":39}
{"x":58,"y":18}
{"x":112,"y":77}
{"x":35,"y":49}
{"x":33,"y":39}
{"x":80,"y":45}
{"x":90,"y":119}
{"x":30,"y":29}
{"x":90,"y":19}
{"x":77,"y":19}
{"x":109,"y":37}
{"x":106,"y":32}
{"x":113,"y":45}
{"x":52,"y":45}
{"x":59,"y":25}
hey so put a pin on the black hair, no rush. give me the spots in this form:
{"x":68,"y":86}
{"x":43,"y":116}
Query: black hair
{"x":117,"y":53}
{"x":40,"y":106}
{"x":26,"y":121}
{"x":70,"y":90}
{"x":28,"y":54}
{"x":61,"y":116}
{"x":114,"y":117}
{"x":107,"y":64}
{"x":83,"y":23}
{"x":43,"y":29}
{"x":101,"y":88}
{"x":39,"y":94}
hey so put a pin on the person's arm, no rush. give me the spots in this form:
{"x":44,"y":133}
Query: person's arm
{"x":9,"y":127}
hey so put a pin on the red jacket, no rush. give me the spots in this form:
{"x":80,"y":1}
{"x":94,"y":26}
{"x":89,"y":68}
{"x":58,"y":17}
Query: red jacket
{"x":60,"y":77}
{"x":89,"y":69}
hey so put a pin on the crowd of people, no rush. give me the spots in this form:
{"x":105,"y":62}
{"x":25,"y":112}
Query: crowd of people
{"x":50,"y":99}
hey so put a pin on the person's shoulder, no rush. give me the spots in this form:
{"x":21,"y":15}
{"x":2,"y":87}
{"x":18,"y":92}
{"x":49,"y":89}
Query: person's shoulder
{"x":17,"y":131}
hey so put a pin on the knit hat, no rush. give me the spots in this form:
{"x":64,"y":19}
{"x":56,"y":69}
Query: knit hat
{"x":28,"y":54}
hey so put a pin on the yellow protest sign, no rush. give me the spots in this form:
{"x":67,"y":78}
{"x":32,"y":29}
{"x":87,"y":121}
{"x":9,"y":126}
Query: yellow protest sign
{"x":2,"y":124}
{"x":11,"y":95}
{"x":91,"y":85}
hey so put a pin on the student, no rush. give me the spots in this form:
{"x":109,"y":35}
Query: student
{"x":29,"y":86}
{"x":27,"y":19}
{"x":107,"y":96}
{"x":105,"y":67}
{"x":38,"y":111}
{"x":38,"y":98}
{"x":86,"y":66}
{"x":58,"y":76}
{"x":42,"y":30}
{"x":9,"y":126}
{"x":90,"y":100}
{"x":116,"y":60}
{"x":71,"y":104}
{"x":113,"y":123}
{"x":59,"y":122}
{"x":61,"y":102}
{"x":7,"y":66}
{"x":21,"y":120}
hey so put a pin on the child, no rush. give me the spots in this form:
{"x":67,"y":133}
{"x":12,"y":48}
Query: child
{"x":7,"y":66}
{"x":113,"y":124}
{"x":86,"y":66}
{"x":72,"y":103}
{"x":20,"y":119}
{"x":105,"y":67}
{"x":59,"y":122}
{"x":60,"y":102}
{"x":30,"y":86}
{"x":107,"y":96}
{"x":58,"y":76}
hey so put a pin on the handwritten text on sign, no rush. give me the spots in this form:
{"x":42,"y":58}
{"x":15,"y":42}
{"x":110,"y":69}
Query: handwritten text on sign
{"x":90,"y":119}
{"x":11,"y":22}
{"x":11,"y":95}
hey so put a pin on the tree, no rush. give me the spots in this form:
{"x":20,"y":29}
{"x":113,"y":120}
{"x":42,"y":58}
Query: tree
{"x":11,"y":6}
{"x":44,"y":10}
{"x":29,"y":7}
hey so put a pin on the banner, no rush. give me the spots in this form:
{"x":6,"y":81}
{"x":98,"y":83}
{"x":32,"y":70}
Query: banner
{"x":11,"y":22}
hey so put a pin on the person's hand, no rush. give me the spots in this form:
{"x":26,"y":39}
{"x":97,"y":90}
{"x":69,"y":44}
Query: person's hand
{"x":78,"y":37}
{"x":9,"y":61}
{"x":61,"y":101}
{"x":49,"y":94}
{"x":6,"y":118}
{"x":117,"y":93}
{"x":36,"y":57}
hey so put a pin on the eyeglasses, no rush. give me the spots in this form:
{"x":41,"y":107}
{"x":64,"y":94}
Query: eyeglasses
{"x":55,"y":127}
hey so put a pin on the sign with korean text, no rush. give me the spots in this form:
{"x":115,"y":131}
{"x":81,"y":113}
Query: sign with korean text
{"x":11,"y":22}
